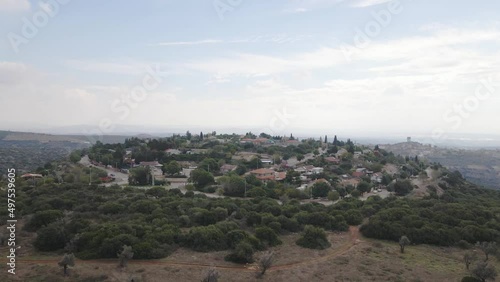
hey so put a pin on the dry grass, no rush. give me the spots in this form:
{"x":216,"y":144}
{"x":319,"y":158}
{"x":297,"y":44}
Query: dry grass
{"x":368,"y":260}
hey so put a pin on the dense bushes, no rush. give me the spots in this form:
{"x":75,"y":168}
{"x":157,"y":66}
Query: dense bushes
{"x":432,"y":221}
{"x":101,"y":220}
{"x":205,"y":239}
{"x":313,"y":238}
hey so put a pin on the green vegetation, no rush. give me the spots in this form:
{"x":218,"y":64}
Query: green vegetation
{"x":313,"y":238}
{"x":105,"y":222}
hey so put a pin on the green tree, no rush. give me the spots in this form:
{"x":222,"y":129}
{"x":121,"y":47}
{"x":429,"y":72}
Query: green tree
{"x":402,"y":188}
{"x":320,"y":189}
{"x":140,"y":176}
{"x":205,"y":239}
{"x":363,"y":187}
{"x":243,"y":253}
{"x":333,"y":196}
{"x":265,"y":262}
{"x":267,"y":235}
{"x":75,"y":156}
{"x":488,"y":248}
{"x":403,"y":242}
{"x":201,"y":178}
{"x":43,"y":218}
{"x":210,"y":165}
{"x":313,"y":238}
{"x":483,"y":271}
{"x":212,"y":275}
{"x":125,"y":255}
{"x":469,"y":257}
{"x":173,"y":168}
{"x":233,"y":185}
{"x":67,"y":260}
{"x":50,"y":238}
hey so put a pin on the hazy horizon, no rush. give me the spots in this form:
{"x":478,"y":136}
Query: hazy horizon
{"x":353,"y":66}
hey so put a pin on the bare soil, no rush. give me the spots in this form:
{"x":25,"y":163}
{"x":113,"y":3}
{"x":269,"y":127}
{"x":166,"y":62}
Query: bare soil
{"x":350,"y":258}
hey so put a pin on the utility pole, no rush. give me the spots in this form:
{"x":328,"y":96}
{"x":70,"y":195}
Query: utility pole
{"x":90,"y":175}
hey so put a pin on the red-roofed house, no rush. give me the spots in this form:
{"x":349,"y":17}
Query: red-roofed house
{"x":332,"y":160}
{"x":263,"y":174}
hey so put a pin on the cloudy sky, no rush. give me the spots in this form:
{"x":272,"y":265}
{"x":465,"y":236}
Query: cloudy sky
{"x":356,"y":66}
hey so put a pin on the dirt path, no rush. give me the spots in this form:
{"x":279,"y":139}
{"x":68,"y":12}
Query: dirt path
{"x":344,"y":248}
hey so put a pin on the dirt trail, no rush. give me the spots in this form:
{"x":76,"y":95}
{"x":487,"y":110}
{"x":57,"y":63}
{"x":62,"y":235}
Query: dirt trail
{"x":344,"y":248}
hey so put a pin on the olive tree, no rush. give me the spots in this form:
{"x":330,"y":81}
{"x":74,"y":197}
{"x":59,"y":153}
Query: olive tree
{"x":488,"y":248}
{"x":484,"y":272}
{"x":125,"y":255}
{"x":469,"y":257}
{"x":212,"y":275}
{"x":265,"y":263}
{"x":67,"y":260}
{"x":403,"y":242}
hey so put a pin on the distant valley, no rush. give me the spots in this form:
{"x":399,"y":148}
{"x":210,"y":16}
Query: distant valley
{"x":480,"y":166}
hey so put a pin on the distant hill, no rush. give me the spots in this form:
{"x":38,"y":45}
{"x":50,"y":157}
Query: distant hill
{"x":25,"y":151}
{"x":41,"y":137}
{"x":480,"y":166}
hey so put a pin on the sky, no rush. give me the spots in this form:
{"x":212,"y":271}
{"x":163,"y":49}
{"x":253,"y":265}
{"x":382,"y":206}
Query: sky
{"x":364,"y":67}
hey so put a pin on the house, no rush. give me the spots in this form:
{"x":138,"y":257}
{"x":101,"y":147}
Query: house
{"x":155,"y":167}
{"x":358,"y":174}
{"x":199,"y":151}
{"x":361,"y":169}
{"x":321,"y":180}
{"x":333,"y":160}
{"x":279,"y":176}
{"x":226,"y":168}
{"x":263,"y":174}
{"x":150,"y":164}
{"x":173,"y":152}
{"x":257,"y":141}
{"x":31,"y":175}
{"x":266,"y":174}
{"x":376,"y":177}
{"x":309,"y":170}
{"x":292,"y":142}
{"x":341,"y":152}
{"x":267,"y":161}
{"x":317,"y":170}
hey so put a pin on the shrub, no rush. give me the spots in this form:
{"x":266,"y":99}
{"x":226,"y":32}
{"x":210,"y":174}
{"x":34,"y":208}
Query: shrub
{"x":243,"y":253}
{"x":313,"y":238}
{"x":267,"y":236}
{"x":50,"y":238}
{"x":205,"y":239}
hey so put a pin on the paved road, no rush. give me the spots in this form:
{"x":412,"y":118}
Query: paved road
{"x":120,"y":177}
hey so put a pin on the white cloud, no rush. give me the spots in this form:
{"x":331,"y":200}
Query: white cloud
{"x":183,"y":43}
{"x":368,"y":3}
{"x":125,"y":67}
{"x":14,"y":5}
{"x":267,"y":38}
{"x":302,"y":6}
